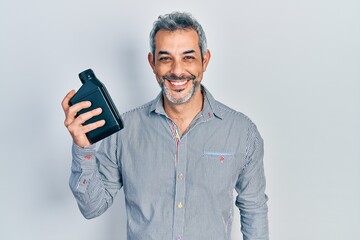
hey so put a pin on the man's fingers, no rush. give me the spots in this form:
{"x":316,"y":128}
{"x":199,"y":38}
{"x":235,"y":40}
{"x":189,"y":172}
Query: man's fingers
{"x":70,"y":114}
{"x":74,"y":123}
{"x":91,"y":126}
{"x":78,"y":132}
{"x":65,"y":101}
{"x":82,"y":118}
{"x":73,"y":110}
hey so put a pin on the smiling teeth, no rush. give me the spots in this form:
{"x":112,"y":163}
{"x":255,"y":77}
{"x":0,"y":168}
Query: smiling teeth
{"x":179,"y":83}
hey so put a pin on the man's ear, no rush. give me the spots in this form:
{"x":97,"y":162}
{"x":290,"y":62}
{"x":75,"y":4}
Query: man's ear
{"x":151,"y":61}
{"x":206,"y":59}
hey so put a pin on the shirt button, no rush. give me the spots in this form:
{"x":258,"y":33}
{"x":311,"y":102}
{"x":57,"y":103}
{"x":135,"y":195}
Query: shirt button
{"x":178,"y":237}
{"x":180,"y":205}
{"x":181,"y":176}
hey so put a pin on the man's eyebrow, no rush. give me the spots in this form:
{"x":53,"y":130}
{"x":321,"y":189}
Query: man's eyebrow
{"x":189,"y":51}
{"x":163,"y":52}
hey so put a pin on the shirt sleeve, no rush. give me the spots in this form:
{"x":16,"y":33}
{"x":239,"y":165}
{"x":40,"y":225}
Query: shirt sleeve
{"x":250,"y":186}
{"x":95,"y":177}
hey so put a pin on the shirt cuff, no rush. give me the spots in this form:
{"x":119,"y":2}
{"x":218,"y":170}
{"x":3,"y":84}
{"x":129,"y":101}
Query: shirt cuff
{"x":85,"y":157}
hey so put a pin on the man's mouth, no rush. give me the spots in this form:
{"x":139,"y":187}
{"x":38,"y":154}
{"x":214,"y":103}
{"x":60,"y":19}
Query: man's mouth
{"x":176,"y":78}
{"x":178,"y":83}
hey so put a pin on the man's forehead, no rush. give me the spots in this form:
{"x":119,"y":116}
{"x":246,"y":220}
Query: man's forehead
{"x":182,"y":38}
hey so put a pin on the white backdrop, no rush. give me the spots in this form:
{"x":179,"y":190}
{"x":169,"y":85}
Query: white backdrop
{"x":292,"y":66}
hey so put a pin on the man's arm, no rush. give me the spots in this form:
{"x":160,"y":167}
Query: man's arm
{"x":251,"y":199}
{"x":95,"y":175}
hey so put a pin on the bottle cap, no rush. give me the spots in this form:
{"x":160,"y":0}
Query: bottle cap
{"x":86,"y":75}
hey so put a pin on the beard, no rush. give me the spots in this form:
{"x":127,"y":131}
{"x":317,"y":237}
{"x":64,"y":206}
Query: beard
{"x":187,"y":97}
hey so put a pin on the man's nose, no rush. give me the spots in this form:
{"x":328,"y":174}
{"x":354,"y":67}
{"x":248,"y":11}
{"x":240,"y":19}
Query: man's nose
{"x":177,"y":68}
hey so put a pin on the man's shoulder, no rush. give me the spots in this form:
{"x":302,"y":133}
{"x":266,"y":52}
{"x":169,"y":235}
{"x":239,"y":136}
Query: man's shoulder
{"x":225,"y":112}
{"x":139,"y":111}
{"x":230,"y":114}
{"x":237,"y":121}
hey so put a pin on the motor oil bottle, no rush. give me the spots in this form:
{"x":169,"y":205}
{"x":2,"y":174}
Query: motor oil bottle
{"x":95,"y":91}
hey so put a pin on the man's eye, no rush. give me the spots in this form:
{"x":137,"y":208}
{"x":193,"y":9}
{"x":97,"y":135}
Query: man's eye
{"x":189,"y":57}
{"x":164,"y":59}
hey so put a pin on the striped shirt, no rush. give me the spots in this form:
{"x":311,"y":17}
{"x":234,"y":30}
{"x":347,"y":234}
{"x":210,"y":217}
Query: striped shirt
{"x":177,"y":186}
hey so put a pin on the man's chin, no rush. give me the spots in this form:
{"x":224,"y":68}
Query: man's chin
{"x":179,"y":90}
{"x":172,"y":94}
{"x":173,"y":98}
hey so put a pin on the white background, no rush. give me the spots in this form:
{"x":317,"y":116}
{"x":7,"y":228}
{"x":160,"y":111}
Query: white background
{"x":292,"y":66}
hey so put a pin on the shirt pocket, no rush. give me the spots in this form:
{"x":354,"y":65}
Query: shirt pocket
{"x":221,"y":155}
{"x":218,"y":168}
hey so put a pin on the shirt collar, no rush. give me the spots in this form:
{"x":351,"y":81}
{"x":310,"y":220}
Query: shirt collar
{"x":157,"y":105}
{"x":210,"y":108}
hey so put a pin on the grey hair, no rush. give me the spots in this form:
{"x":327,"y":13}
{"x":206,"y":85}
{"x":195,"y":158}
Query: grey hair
{"x":177,"y":21}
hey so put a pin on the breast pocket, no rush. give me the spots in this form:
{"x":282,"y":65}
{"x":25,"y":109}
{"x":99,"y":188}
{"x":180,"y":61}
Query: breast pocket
{"x":218,"y":169}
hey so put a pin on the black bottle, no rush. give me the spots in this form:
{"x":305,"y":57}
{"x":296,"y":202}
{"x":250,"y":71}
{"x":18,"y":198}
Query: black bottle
{"x":94,"y":91}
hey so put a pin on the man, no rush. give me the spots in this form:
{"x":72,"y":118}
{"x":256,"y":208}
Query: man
{"x":179,"y":157}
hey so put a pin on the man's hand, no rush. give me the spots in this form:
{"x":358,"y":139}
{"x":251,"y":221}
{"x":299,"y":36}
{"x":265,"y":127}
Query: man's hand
{"x":75,"y":124}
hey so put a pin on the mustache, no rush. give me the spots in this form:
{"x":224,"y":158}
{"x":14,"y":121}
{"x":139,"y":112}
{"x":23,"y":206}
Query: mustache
{"x":173,"y":77}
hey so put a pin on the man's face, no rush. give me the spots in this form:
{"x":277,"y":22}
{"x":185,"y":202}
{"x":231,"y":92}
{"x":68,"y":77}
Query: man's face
{"x":177,"y":64}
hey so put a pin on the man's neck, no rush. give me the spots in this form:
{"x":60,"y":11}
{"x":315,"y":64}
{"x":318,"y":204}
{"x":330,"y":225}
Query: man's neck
{"x":183,"y":114}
